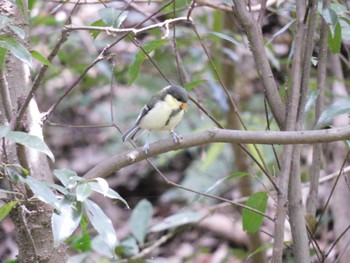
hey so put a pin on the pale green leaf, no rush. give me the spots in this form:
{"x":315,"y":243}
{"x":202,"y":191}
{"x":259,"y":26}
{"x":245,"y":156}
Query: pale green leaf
{"x":67,"y":177}
{"x":18,"y":31}
{"x":282,"y":30}
{"x":311,"y":99}
{"x":110,"y":193}
{"x":112,"y":17}
{"x":331,"y":112}
{"x":140,"y":218}
{"x":83,"y":191}
{"x":226,"y":37}
{"x":262,"y":248}
{"x":66,"y":220}
{"x":41,"y":191}
{"x":177,"y":220}
{"x":30,"y":141}
{"x":101,"y":223}
{"x":103,"y":185}
{"x":3,"y":131}
{"x":16,"y":49}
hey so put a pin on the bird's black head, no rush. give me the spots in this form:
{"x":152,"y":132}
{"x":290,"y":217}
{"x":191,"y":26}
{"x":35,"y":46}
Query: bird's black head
{"x":178,"y":93}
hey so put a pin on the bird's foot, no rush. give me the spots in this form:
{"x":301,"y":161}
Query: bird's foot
{"x":146,"y":147}
{"x":176,"y":137}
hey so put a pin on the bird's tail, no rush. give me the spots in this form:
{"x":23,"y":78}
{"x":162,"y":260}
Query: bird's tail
{"x":131,"y":133}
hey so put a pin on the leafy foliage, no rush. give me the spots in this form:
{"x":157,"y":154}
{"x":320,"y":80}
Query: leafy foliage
{"x":251,"y":220}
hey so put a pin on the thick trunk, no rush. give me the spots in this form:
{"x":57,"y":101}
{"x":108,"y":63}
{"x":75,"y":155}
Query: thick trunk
{"x":32,"y":218}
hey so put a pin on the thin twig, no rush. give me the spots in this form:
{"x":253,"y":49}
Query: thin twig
{"x":101,"y":57}
{"x":333,"y":189}
{"x":337,"y":240}
{"x":207,"y":194}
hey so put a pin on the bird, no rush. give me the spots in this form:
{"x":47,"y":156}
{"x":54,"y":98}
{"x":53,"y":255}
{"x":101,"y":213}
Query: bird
{"x":163,"y":112}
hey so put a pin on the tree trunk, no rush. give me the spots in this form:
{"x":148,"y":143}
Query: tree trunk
{"x":32,"y":218}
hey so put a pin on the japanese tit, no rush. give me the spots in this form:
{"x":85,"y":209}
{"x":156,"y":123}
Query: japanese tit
{"x":163,"y":112}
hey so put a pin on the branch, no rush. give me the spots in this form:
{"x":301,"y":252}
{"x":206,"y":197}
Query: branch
{"x":226,"y":8}
{"x":257,"y":47}
{"x":5,"y":95}
{"x":115,"y":163}
{"x":136,"y":31}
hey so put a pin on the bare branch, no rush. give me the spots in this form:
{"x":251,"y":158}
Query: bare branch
{"x":119,"y":161}
{"x":136,"y":31}
{"x":257,"y":47}
{"x":321,"y":84}
{"x":218,"y":5}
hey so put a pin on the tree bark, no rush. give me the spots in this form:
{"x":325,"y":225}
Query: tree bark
{"x":32,"y":219}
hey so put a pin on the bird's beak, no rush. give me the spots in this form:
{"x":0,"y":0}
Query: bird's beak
{"x":183,"y":106}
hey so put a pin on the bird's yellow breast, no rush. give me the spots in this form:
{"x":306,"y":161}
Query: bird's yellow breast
{"x":161,"y":116}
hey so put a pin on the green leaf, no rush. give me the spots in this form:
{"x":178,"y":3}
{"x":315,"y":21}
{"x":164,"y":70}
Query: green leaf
{"x":83,"y":191}
{"x":212,"y":156}
{"x":6,"y":209}
{"x":140,"y":218}
{"x":112,"y":17}
{"x":226,"y":37}
{"x":103,"y":185}
{"x":3,"y":53}
{"x":190,"y":85}
{"x":99,"y":244}
{"x":99,"y":23}
{"x":20,"y":5}
{"x":67,"y":177}
{"x":3,"y":131}
{"x":311,"y":99}
{"x":82,"y":242}
{"x":18,"y":31}
{"x":110,"y":193}
{"x":331,"y":112}
{"x":30,"y":141}
{"x":128,"y":247}
{"x":140,"y":57}
{"x":41,"y":191}
{"x":262,"y":248}
{"x":4,"y":21}
{"x":17,"y":49}
{"x":102,"y":224}
{"x":334,"y":42}
{"x":251,"y":220}
{"x":31,"y":3}
{"x":331,"y":18}
{"x":66,"y":220}
{"x":227,"y":2}
{"x":41,"y":58}
{"x":59,"y":188}
{"x":177,"y":220}
{"x":282,"y":30}
{"x":225,"y":179}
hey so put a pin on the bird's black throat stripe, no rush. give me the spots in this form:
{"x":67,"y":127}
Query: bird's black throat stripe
{"x":173,"y":114}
